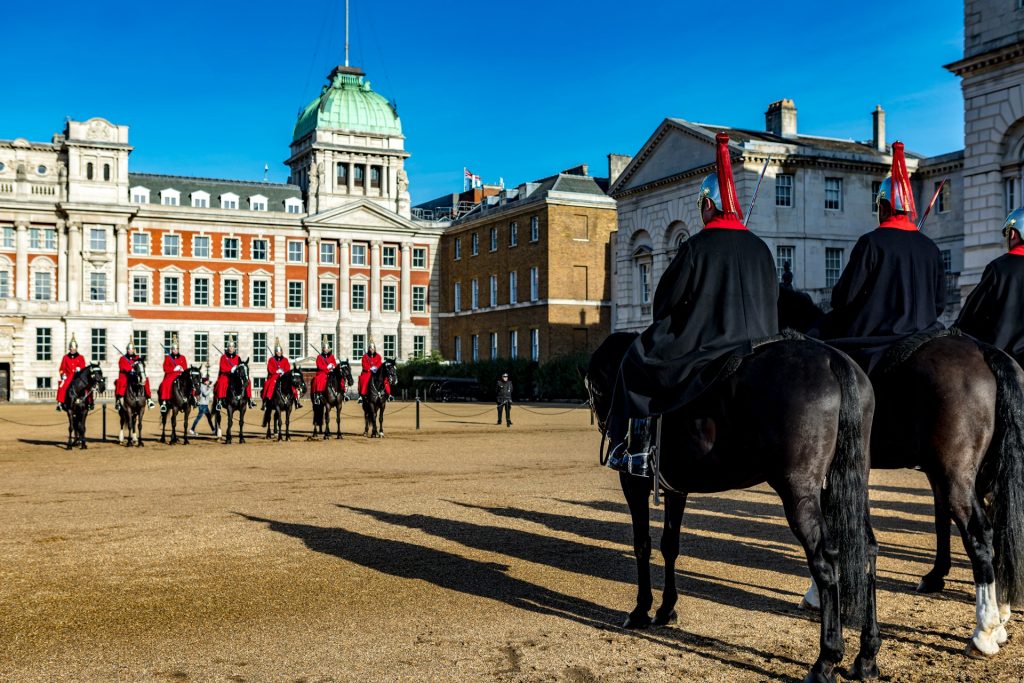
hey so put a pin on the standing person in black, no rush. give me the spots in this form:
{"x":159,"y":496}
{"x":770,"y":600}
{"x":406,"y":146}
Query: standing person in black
{"x":719,"y":293}
{"x":994,"y":310}
{"x":504,"y":398}
{"x":894,"y":285}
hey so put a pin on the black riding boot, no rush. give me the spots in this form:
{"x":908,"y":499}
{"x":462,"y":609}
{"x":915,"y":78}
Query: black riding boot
{"x":633,"y":456}
{"x":117,"y":405}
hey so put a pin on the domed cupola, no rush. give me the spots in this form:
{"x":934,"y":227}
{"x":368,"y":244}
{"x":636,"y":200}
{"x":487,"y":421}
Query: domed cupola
{"x":347,"y":103}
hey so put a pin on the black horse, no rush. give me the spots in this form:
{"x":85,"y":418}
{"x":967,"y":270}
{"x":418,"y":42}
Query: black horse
{"x":954,"y":407}
{"x":283,"y":401}
{"x":78,"y":401}
{"x":133,"y":406}
{"x":236,"y":401}
{"x":184,"y":388}
{"x":797,"y":415}
{"x":332,"y":398}
{"x":376,"y":398}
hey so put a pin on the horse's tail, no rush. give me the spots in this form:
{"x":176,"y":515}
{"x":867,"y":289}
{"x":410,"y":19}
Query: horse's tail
{"x":1007,"y":454}
{"x":845,"y":497}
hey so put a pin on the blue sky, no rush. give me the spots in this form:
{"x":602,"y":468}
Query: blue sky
{"x":518,"y":90}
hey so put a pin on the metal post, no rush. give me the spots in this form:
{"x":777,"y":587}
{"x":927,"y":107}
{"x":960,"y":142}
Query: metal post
{"x":417,"y":411}
{"x":591,"y":416}
{"x":104,"y":421}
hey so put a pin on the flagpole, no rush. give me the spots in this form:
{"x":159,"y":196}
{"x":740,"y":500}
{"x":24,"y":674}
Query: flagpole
{"x":346,"y":32}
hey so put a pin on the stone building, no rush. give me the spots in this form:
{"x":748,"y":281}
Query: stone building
{"x":89,"y":248}
{"x":525,"y":274}
{"x":816,"y":200}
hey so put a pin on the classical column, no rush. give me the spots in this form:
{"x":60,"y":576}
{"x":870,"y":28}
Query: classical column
{"x":312,"y":290}
{"x":21,"y":262}
{"x":121,"y":268}
{"x":62,"y":262}
{"x":74,"y":266}
{"x":366,"y":179}
{"x":374,"y":284}
{"x":393,"y":184}
{"x":406,"y":282}
{"x":349,"y":174}
{"x":344,"y":285}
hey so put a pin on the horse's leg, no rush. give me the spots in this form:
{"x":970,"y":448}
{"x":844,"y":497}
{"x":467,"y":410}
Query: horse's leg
{"x":865,"y":666}
{"x":241,"y":425}
{"x":935,"y":580}
{"x":163,"y":427}
{"x":367,"y":417}
{"x":174,"y":425}
{"x":85,"y":413}
{"x":637,"y":490}
{"x":976,"y":531}
{"x":382,"y":407}
{"x":675,"y":503}
{"x":288,"y":423}
{"x":231,"y":420}
{"x":803,"y":511}
{"x":185,"y":423}
{"x":337,"y":418}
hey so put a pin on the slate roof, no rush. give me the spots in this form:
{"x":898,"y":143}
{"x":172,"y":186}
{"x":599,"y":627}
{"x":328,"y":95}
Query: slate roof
{"x":537,"y":191}
{"x":275,"y":193}
{"x":823,"y":144}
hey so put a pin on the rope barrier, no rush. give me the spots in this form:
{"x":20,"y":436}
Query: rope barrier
{"x":430,"y":407}
{"x":26,"y":424}
{"x":560,"y":412}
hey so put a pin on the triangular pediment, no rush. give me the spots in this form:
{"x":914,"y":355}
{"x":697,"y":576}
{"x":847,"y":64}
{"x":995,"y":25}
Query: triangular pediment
{"x":676,"y":147}
{"x":362,"y":214}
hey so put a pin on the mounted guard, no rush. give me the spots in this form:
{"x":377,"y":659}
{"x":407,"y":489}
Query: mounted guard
{"x":372,"y":363}
{"x":125,"y":367}
{"x":70,"y":365}
{"x":228,"y":365}
{"x":325,"y":364}
{"x":174,"y":364}
{"x":277,"y":366}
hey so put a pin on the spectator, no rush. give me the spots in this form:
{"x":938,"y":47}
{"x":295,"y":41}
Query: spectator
{"x":504,"y":396}
{"x":205,"y":397}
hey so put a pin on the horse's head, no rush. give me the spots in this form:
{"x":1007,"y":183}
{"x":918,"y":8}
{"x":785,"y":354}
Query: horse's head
{"x":195,"y":377}
{"x":243,"y":372}
{"x":391,"y":372}
{"x":295,"y":377}
{"x":97,"y":382}
{"x":139,"y":368}
{"x":602,"y":371}
{"x":346,"y":372}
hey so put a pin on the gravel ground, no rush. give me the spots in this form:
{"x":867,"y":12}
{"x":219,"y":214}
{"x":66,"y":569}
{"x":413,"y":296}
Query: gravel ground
{"x":462,"y":552}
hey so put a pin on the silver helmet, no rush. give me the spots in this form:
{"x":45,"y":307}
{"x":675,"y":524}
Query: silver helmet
{"x":1015,"y":221}
{"x":885,"y":192}
{"x":709,"y":189}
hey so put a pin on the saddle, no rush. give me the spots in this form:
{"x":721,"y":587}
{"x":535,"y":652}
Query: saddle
{"x":900,"y":352}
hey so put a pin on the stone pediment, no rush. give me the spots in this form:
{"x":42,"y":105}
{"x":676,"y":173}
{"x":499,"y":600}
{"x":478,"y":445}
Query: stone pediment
{"x":361,"y":214}
{"x":675,"y":147}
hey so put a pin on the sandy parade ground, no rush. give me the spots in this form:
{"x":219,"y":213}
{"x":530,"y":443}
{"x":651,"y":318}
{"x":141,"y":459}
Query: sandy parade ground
{"x":464,"y":551}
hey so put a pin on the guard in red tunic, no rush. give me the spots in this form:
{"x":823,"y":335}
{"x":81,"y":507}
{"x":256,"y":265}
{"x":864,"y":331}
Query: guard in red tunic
{"x":277,"y":366}
{"x":125,"y":365}
{"x":372,"y":362}
{"x":993,"y":310}
{"x":325,"y":363}
{"x":228,"y":365}
{"x":70,"y":365}
{"x":174,"y":365}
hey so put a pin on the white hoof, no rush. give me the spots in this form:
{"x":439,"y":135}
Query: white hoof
{"x":982,"y":646}
{"x":811,"y":600}
{"x":1000,"y":635}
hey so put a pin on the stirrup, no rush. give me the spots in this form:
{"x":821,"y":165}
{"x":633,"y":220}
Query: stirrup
{"x":150,"y":404}
{"x":163,"y":406}
{"x":117,"y":405}
{"x":635,"y":464}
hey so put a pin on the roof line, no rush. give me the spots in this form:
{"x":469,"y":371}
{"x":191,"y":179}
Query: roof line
{"x":257,"y":183}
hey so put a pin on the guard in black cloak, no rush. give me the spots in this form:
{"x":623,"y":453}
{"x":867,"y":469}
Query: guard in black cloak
{"x":894,"y":285}
{"x":994,"y":310}
{"x":718,"y":294}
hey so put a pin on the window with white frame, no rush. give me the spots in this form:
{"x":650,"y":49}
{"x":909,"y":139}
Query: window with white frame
{"x":49,"y":238}
{"x":140,"y":340}
{"x":358,"y":254}
{"x":643,"y":273}
{"x":390,"y":345}
{"x":475,"y":348}
{"x":513,"y":344}
{"x":140,"y":289}
{"x":784,"y":255}
{"x":44,"y":343}
{"x":419,"y":257}
{"x":534,"y":228}
{"x":389,"y":256}
{"x":42,"y":281}
{"x":140,"y":244}
{"x":201,"y":291}
{"x":834,"y":194}
{"x":97,"y":239}
{"x":784,"y":189}
{"x":97,"y":286}
{"x":98,"y":345}
{"x":876,"y":187}
{"x":229,"y":200}
{"x":458,"y":349}
{"x":943,"y":203}
{"x":44,"y":382}
{"x":140,"y":195}
{"x":419,"y":299}
{"x":474,"y":244}
{"x":257,"y":202}
{"x":534,"y":284}
{"x":7,"y":237}
{"x":833,"y":266}
{"x":260,"y":293}
{"x":170,"y":197}
{"x":1009,"y":194}
{"x":5,"y":284}
{"x":260,"y":250}
{"x":513,"y":287}
{"x":494,"y":290}
{"x":171,"y":290}
{"x":458,"y":247}
{"x":200,"y":200}
{"x":171,"y":245}
{"x":513,"y":234}
{"x":494,"y":346}
{"x":231,"y":247}
{"x":201,"y":246}
{"x":295,"y":294}
{"x":419,"y":346}
{"x":295,"y":344}
{"x":389,"y":298}
{"x":296,"y":250}
{"x":474,"y":295}
{"x":327,"y":296}
{"x":457,"y":297}
{"x":494,"y":239}
{"x":293,"y":205}
{"x":260,"y":352}
{"x":201,"y":347}
{"x":358,"y":345}
{"x":534,"y":344}
{"x":327,"y":252}
{"x":358,"y":296}
{"x":35,"y":238}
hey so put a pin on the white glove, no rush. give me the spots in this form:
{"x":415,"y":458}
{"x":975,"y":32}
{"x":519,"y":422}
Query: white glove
{"x":280,"y":371}
{"x":78,"y":370}
{"x":233,"y":368}
{"x":178,"y":368}
{"x":63,"y":377}
{"x":373,"y":370}
{"x":330,"y":366}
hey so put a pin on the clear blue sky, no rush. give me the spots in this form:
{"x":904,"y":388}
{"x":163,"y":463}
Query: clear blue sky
{"x":513,"y":90}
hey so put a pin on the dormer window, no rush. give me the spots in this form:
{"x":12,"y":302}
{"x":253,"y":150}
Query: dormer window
{"x":229,"y":200}
{"x":170,"y":197}
{"x":293,"y":205}
{"x":140,"y":195}
{"x":200,"y":200}
{"x":257,"y":202}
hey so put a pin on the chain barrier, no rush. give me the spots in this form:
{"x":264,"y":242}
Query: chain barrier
{"x":520,"y":406}
{"x":427,"y":405}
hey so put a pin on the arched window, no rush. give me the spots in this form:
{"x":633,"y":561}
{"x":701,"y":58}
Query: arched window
{"x":88,"y":171}
{"x":675,"y":235}
{"x":642,"y":262}
{"x":106,"y":171}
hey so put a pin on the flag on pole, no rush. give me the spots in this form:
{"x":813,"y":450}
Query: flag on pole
{"x":474,"y":180}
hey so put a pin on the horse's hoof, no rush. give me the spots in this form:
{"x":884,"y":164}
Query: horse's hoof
{"x":636,"y":621}
{"x":974,"y":652}
{"x":863,"y":670}
{"x":661,"y":619}
{"x":930,"y":584}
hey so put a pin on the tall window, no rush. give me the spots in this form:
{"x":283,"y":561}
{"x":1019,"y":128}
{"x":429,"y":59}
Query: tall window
{"x":231,"y":288}
{"x":43,"y":286}
{"x":784,"y":255}
{"x":494,"y":290}
{"x":389,"y":296}
{"x":513,"y":234}
{"x":1010,"y":194}
{"x":458,"y":349}
{"x":327,"y":296}
{"x":7,"y":237}
{"x":260,"y":250}
{"x":88,"y":171}
{"x":419,"y":346}
{"x":534,"y":284}
{"x":295,"y":294}
{"x":359,"y":176}
{"x":171,"y":245}
{"x":49,"y":238}
{"x":97,"y":286}
{"x":513,"y":343}
{"x":419,"y":257}
{"x":295,"y":345}
{"x":5,"y":284}
{"x":97,"y":239}
{"x":534,"y":345}
{"x":784,"y":189}
{"x":98,"y":345}
{"x":474,"y":295}
{"x":140,"y":244}
{"x":458,"y":247}
{"x":474,"y":244}
{"x":342,"y":174}
{"x":260,"y":293}
{"x":106,"y":171}
{"x":327,"y":251}
{"x":494,"y":346}
{"x":389,"y":256}
{"x":201,"y":346}
{"x":833,"y":266}
{"x":231,"y":247}
{"x":295,"y":249}
{"x":534,"y":228}
{"x":358,"y":254}
{"x":942,"y":202}
{"x":375,"y":176}
{"x":358,"y":296}
{"x":201,"y":291}
{"x":35,"y":238}
{"x":457,"y":296}
{"x":358,"y":345}
{"x":513,"y":287}
{"x":171,"y":290}
{"x":140,"y":340}
{"x":419,"y":299}
{"x":834,"y":194}
{"x":390,"y":345}
{"x":494,"y":239}
{"x":44,"y":343}
{"x":876,"y":187}
{"x":643,"y":271}
{"x":475,"y":348}
{"x":947,"y":260}
{"x":259,"y":347}
{"x":201,"y":246}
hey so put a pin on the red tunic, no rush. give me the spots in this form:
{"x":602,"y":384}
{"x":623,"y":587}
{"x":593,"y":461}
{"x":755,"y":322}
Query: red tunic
{"x":324,"y":365}
{"x":226,"y":364}
{"x":69,"y":366}
{"x":275,"y":368}
{"x":173,"y":366}
{"x":369,"y":363}
{"x":124,"y":368}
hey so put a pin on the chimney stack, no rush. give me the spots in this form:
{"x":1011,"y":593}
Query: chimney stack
{"x":616,"y":165}
{"x":878,"y":128}
{"x":780,"y":119}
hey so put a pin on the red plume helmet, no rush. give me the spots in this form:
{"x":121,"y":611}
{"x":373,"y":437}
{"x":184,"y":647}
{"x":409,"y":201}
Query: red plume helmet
{"x":726,"y":186}
{"x":902,"y":195}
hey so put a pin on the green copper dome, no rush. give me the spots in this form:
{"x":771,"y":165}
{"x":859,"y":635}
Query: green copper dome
{"x":348,"y":103}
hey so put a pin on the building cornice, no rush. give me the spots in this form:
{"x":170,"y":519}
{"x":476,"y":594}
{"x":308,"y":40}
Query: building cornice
{"x":987,"y":60}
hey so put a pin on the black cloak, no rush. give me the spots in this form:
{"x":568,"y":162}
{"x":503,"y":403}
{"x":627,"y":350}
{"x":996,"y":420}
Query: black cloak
{"x":994,"y":311}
